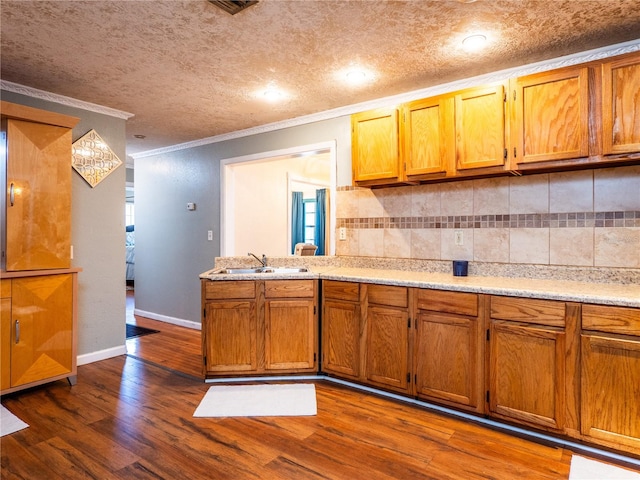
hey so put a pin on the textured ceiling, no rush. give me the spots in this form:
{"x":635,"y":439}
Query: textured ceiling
{"x":188,"y":70}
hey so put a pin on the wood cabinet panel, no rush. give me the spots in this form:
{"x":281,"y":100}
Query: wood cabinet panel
{"x":527,"y":373}
{"x":551,"y":116}
{"x":542,"y":312}
{"x":375,"y":145}
{"x":460,"y":303}
{"x":480,"y":127}
{"x":338,"y":290}
{"x":290,"y":334}
{"x":621,"y":105}
{"x":42,"y":322}
{"x":611,"y":319}
{"x":448,"y":364}
{"x":387,"y":348}
{"x":388,"y":295}
{"x":39,"y":196}
{"x":289,"y":288}
{"x":427,"y":135}
{"x":341,"y":338}
{"x":230,"y":336}
{"x":230,"y":289}
{"x":611,"y":389}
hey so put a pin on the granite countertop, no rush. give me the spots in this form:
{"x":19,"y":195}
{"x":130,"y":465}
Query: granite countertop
{"x":627,"y":295}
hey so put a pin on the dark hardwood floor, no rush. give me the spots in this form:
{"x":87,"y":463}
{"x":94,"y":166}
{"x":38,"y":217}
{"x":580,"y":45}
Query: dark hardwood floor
{"x":130,"y":417}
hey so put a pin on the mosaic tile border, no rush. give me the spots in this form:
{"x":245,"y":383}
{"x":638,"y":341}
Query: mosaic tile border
{"x":520,"y":220}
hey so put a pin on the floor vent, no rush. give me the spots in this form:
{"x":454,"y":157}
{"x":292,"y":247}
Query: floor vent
{"x":233,"y":6}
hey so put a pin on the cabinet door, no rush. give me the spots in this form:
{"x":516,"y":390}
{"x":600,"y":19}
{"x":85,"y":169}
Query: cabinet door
{"x":480,"y":127}
{"x":427,"y":131}
{"x":5,"y":342}
{"x":230,"y":337}
{"x":447,"y":364}
{"x":374,"y":143}
{"x":387,"y":348}
{"x":39,"y":196}
{"x":621,"y":106}
{"x":527,"y":373}
{"x":42,"y":323}
{"x":290,"y":334}
{"x":341,"y":338}
{"x":610,"y":403}
{"x":551,"y":116}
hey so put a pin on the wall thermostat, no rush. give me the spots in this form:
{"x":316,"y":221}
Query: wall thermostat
{"x":191,"y":206}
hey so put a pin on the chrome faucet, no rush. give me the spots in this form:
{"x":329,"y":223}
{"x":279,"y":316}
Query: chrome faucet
{"x":263,"y":261}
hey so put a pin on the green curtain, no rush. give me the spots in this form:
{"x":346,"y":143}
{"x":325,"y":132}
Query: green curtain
{"x":321,"y":220}
{"x":297,"y":219}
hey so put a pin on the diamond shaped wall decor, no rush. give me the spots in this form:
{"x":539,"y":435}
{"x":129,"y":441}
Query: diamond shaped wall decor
{"x":92,"y":158}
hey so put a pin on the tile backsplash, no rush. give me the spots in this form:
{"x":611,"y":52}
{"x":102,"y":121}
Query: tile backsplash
{"x":588,"y":218}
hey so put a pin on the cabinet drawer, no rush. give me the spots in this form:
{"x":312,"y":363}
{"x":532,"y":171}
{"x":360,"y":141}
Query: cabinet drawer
{"x":459,"y":303}
{"x":541,"y":312}
{"x":215,"y":290}
{"x":387,"y":295}
{"x":289,"y":288}
{"x":611,"y":319}
{"x":5,"y":288}
{"x":349,"y":291}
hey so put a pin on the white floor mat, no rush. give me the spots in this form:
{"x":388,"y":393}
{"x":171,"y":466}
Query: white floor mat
{"x":587,"y":469}
{"x":258,"y":401}
{"x":9,"y":423}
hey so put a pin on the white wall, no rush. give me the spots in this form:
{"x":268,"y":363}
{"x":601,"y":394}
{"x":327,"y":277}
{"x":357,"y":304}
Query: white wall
{"x":259,"y":194}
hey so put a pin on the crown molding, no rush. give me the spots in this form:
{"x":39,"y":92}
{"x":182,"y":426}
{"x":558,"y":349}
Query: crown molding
{"x":61,"y":99}
{"x":582,"y":57}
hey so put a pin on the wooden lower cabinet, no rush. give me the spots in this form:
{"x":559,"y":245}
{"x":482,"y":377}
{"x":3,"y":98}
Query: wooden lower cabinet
{"x":449,"y":349}
{"x":387,"y":353}
{"x":259,"y":327}
{"x":610,"y":376}
{"x":532,"y":362}
{"x":291,"y":326}
{"x":38,"y":330}
{"x":341,"y":338}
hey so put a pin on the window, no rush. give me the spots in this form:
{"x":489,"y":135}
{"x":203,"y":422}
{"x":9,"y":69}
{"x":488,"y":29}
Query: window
{"x":128,"y":215}
{"x":309,"y":220}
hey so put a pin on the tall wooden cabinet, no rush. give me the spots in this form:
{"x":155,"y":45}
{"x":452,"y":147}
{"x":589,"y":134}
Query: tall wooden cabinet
{"x":39,"y":286}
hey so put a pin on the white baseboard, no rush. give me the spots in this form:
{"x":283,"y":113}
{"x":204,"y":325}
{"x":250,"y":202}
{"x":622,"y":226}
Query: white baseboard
{"x":163,"y":318}
{"x":101,"y":355}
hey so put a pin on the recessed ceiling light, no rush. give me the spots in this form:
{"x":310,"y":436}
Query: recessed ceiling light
{"x":139,"y":136}
{"x":356,"y":76}
{"x":473,"y":43}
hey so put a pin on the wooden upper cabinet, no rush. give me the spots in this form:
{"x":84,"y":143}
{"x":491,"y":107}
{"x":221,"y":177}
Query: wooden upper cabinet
{"x":621,"y":105}
{"x":480,"y":127}
{"x":427,"y":135}
{"x":551,"y":117}
{"x":38,"y":196}
{"x":375,"y":146}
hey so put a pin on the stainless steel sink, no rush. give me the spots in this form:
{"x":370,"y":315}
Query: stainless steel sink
{"x":233,"y":271}
{"x":284,"y":270}
{"x":274,"y":270}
